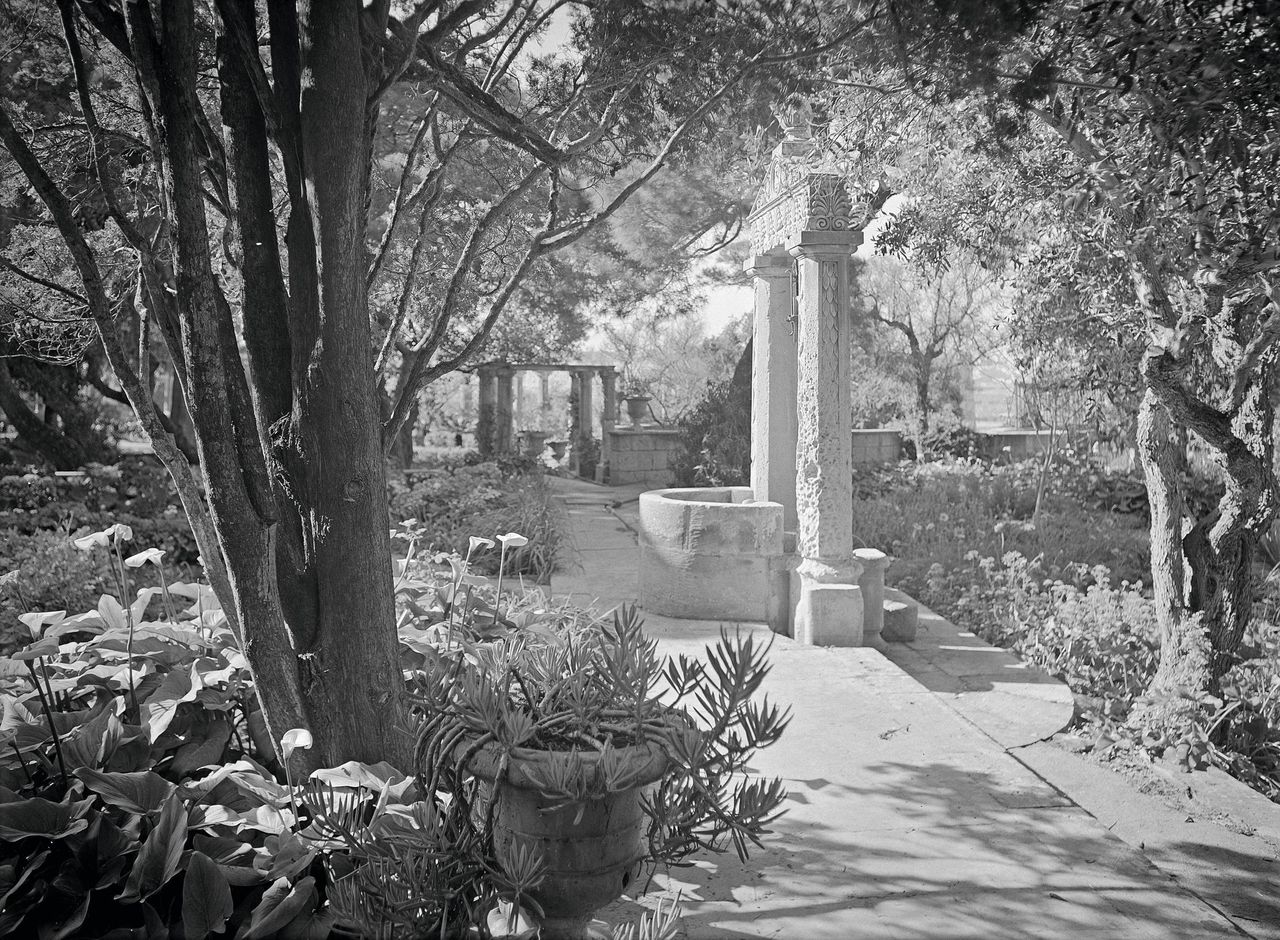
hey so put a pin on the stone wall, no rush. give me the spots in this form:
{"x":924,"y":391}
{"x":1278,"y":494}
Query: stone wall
{"x":642,"y":456}
{"x":878,"y":446}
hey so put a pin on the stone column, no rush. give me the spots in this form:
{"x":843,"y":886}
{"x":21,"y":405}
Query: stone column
{"x":518,"y":409}
{"x":544,"y":401}
{"x":503,"y":418}
{"x":773,"y":383}
{"x":608,"y":419}
{"x":586,"y":418}
{"x":575,"y":395}
{"x":486,"y":416}
{"x":826,"y":599}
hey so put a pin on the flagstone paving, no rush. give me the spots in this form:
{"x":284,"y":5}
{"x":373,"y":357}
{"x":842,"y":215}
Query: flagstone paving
{"x":909,"y":813}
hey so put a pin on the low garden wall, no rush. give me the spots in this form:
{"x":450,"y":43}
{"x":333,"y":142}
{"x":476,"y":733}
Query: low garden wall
{"x":642,"y":456}
{"x":706,"y":553}
{"x":876,"y":446}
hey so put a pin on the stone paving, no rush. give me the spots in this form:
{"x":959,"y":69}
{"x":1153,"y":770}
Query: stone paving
{"x":908,"y":815}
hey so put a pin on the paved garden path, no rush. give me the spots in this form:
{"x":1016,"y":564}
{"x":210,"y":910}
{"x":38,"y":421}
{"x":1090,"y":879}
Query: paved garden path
{"x":910,"y":814}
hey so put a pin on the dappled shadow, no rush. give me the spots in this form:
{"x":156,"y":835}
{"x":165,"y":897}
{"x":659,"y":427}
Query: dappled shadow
{"x":931,"y":851}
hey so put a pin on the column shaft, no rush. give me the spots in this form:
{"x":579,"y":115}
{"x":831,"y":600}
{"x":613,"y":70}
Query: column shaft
{"x":827,"y":601}
{"x":505,"y":423}
{"x":486,"y":416}
{"x":773,"y":384}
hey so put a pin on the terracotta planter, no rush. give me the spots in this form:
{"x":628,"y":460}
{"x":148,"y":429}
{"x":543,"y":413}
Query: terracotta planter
{"x":591,"y":851}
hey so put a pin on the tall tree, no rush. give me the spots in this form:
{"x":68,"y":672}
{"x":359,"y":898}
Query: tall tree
{"x":258,"y":236}
{"x":938,"y":313}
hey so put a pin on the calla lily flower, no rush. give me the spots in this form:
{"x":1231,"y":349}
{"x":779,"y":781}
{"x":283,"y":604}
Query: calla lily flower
{"x":119,"y":532}
{"x":293,"y":739}
{"x":512,"y":540}
{"x":477,"y":542}
{"x":36,"y":621}
{"x":152,"y":555}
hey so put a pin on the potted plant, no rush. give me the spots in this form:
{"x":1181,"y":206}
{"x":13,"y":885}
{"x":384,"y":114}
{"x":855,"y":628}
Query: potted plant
{"x":579,"y":757}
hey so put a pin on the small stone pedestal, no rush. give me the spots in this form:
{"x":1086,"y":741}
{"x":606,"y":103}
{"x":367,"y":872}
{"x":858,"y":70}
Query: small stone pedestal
{"x":874,"y":564}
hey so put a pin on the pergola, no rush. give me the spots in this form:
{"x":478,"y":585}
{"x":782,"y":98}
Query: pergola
{"x":495,"y":426}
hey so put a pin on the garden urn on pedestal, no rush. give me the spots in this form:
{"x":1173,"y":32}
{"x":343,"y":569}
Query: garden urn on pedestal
{"x":637,"y":409}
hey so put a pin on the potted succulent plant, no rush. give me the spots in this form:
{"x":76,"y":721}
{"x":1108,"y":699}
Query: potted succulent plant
{"x":580,"y":758}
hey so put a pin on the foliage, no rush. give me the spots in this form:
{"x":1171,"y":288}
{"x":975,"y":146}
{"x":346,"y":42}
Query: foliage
{"x":667,"y":357}
{"x":715,"y":439}
{"x":586,"y":696}
{"x":1102,"y":639}
{"x":140,"y":792}
{"x":938,"y":512}
{"x":450,"y":500}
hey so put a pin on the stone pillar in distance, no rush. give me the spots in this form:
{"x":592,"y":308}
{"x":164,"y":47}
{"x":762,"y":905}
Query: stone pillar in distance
{"x":504,"y":418}
{"x":608,"y":419}
{"x":544,"y":401}
{"x":575,"y":414}
{"x":486,"y":415}
{"x":586,"y":417}
{"x":825,"y":596}
{"x":773,"y":383}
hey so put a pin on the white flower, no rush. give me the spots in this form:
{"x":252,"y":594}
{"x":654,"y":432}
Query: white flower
{"x":118,"y":532}
{"x":477,"y":542}
{"x":512,"y":540}
{"x":294,"y":739}
{"x":152,"y":555}
{"x":35,"y":621}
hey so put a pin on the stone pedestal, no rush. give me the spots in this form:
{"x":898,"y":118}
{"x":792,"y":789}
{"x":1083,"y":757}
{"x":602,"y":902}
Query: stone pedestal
{"x":773,"y":384}
{"x":504,"y":423}
{"x":874,"y":565}
{"x":828,"y":601}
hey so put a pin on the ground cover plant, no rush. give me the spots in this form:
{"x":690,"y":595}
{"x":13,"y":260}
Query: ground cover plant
{"x":142,"y":795}
{"x":1068,"y":590}
{"x":451,"y":498}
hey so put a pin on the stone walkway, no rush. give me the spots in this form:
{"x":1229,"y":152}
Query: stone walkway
{"x":909,"y":815}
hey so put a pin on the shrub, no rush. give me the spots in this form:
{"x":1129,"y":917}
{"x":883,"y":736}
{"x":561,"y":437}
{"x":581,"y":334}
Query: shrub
{"x":455,"y":499}
{"x":715,"y":439}
{"x":51,"y":575}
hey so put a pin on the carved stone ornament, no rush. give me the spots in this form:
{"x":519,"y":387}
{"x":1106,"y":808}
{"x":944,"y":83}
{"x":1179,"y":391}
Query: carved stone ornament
{"x":794,"y":199}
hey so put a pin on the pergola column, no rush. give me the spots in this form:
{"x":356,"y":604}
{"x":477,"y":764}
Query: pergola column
{"x":518,"y":409}
{"x":486,"y":415}
{"x":544,"y":400}
{"x":773,"y":383}
{"x":504,"y":437}
{"x":585,"y":409}
{"x":608,"y":418}
{"x":828,"y":606}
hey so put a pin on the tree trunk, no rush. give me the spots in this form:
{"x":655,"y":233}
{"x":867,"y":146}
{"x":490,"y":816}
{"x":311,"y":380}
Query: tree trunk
{"x":62,"y":451}
{"x":922,"y":410}
{"x":1201,"y":645}
{"x":348,"y":655}
{"x":1183,"y":660}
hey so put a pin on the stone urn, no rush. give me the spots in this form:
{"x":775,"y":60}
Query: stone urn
{"x":558,"y":449}
{"x":637,"y":408}
{"x":534,"y":442}
{"x":591,"y":850}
